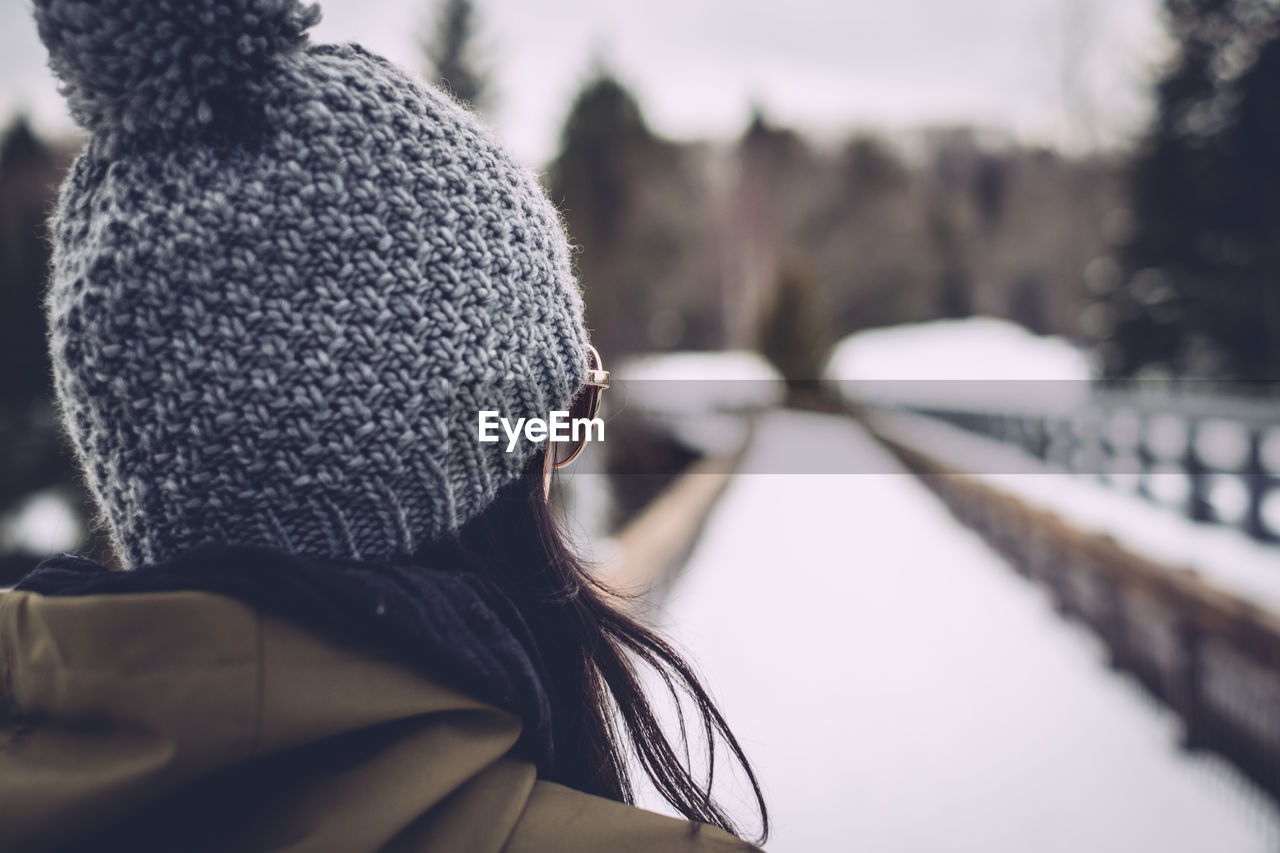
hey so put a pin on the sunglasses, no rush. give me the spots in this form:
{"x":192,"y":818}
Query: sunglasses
{"x":586,"y":406}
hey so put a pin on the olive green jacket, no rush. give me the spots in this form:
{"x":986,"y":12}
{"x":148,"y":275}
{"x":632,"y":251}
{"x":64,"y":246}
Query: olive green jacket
{"x":190,"y":721}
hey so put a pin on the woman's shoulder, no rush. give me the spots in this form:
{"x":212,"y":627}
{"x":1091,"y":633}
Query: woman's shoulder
{"x":200,"y":702}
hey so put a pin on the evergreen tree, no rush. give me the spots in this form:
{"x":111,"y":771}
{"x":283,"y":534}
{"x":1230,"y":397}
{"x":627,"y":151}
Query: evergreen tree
{"x":795,"y":331}
{"x":608,"y":165}
{"x":593,"y":175}
{"x":1199,"y":295}
{"x":450,"y":51}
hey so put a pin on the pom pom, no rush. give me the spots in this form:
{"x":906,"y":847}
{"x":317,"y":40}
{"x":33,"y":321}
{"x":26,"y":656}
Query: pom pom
{"x":166,"y":67}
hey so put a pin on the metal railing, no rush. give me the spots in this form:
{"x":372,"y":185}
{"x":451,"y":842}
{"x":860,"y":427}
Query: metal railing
{"x":1213,"y":459}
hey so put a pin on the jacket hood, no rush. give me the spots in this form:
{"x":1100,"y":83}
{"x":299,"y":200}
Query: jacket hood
{"x":188,"y":720}
{"x":121,"y":701}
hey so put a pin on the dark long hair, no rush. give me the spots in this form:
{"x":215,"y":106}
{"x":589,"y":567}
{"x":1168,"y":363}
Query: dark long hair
{"x":590,"y":646}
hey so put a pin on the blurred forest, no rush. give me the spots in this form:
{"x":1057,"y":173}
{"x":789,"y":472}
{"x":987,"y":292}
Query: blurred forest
{"x":684,"y":244}
{"x":1164,"y":258}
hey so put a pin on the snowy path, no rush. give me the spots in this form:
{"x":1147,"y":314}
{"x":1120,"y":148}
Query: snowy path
{"x":899,"y":689}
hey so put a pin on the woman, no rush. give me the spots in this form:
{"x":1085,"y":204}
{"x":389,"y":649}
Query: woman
{"x":287,"y":277}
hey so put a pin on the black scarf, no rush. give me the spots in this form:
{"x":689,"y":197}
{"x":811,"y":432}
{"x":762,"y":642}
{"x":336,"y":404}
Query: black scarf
{"x":456,"y":624}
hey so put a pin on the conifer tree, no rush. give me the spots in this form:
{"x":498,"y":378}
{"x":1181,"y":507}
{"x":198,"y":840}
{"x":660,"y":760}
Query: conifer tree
{"x":1201,"y":294}
{"x":450,"y":52}
{"x":607,"y":154}
{"x":795,"y":330}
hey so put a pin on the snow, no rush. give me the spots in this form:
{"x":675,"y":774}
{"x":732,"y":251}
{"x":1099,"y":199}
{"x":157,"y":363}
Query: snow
{"x":1223,"y":555}
{"x":1167,"y":436}
{"x":973,"y":348}
{"x":44,"y":523}
{"x":1222,"y":444}
{"x":698,"y":397}
{"x":900,"y":689}
{"x":978,"y":363}
{"x":720,"y":366}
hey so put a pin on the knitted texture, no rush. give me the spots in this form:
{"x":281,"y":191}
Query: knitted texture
{"x":281,"y":293}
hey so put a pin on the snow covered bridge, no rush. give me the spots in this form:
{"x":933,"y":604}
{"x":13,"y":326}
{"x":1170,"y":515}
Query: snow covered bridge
{"x":901,"y":689}
{"x":896,"y":659}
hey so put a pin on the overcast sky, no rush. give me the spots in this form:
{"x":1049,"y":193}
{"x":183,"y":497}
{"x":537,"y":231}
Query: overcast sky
{"x":826,"y":66}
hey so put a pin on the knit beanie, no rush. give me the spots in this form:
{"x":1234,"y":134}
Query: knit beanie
{"x":285,"y":278}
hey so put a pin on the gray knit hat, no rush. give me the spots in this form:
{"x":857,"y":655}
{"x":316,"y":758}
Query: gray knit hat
{"x":285,"y":277}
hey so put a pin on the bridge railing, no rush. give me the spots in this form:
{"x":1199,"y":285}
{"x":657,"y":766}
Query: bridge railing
{"x":1210,"y":457}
